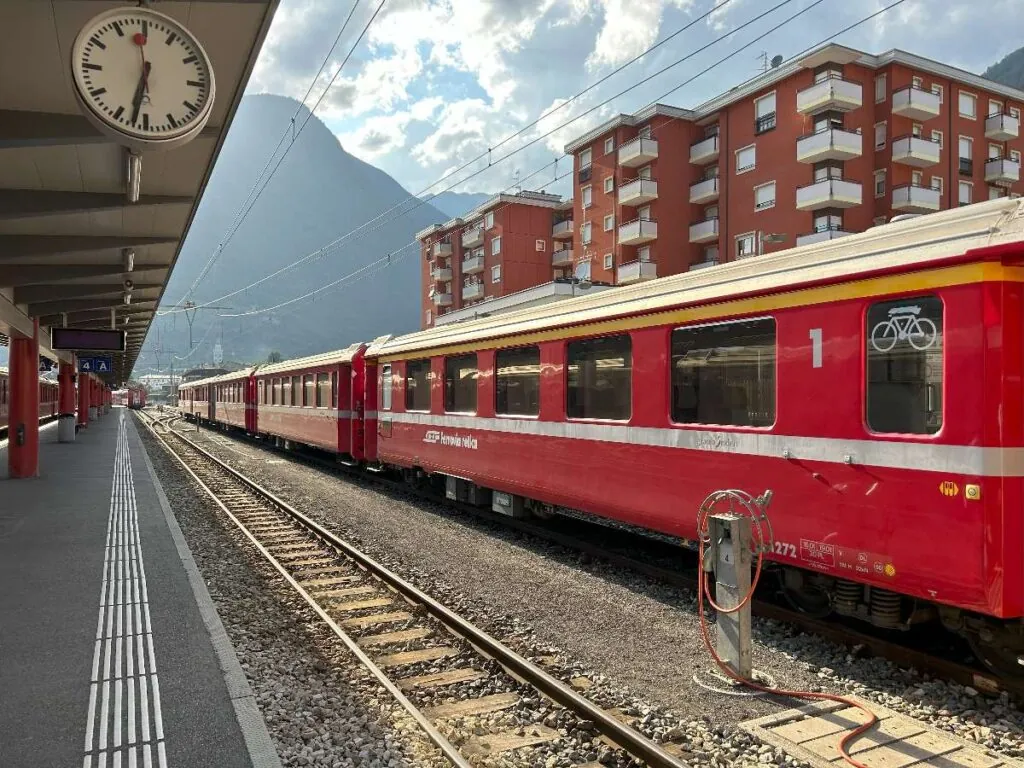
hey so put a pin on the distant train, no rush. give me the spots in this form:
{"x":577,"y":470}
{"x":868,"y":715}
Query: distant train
{"x":47,"y":400}
{"x":875,"y":383}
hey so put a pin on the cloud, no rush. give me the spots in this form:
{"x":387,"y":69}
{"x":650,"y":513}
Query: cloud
{"x":630,"y":28}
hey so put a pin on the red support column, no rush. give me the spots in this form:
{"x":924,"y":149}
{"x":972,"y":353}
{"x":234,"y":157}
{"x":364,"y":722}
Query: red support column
{"x":66,"y":402}
{"x":23,"y":446}
{"x":94,"y":398}
{"x":84,"y":385}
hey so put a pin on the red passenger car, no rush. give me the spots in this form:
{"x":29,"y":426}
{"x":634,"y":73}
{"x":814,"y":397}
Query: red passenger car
{"x":195,"y":399}
{"x":232,"y":398}
{"x":47,"y":399}
{"x":873,"y":383}
{"x":312,"y":401}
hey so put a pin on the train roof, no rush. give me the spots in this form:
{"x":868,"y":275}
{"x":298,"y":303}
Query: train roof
{"x":42,"y":380}
{"x":313,"y":361}
{"x":902,"y":244}
{"x":241,"y":373}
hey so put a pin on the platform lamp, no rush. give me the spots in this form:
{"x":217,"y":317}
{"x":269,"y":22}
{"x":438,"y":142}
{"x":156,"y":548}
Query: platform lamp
{"x":769,"y":237}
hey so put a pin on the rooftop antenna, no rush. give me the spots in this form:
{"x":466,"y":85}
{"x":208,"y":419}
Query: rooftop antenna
{"x":763,"y":58}
{"x":518,"y":186}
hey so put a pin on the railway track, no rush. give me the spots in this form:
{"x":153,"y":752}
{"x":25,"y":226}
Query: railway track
{"x":398,"y":632}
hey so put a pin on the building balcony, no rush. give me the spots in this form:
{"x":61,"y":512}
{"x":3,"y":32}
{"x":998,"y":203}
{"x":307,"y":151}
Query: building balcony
{"x":916,"y":103}
{"x":704,"y":231}
{"x":916,"y":151}
{"x":704,"y":191}
{"x":441,"y":299}
{"x":828,"y":193}
{"x":638,"y":232}
{"x":441,"y":274}
{"x":472,"y":291}
{"x":472,"y":265}
{"x":910,"y":198}
{"x":639,"y":151}
{"x":822,"y":234}
{"x":562,"y":230}
{"x":832,"y":93}
{"x":638,"y":192}
{"x":441,"y":249}
{"x":704,"y":264}
{"x":562,"y":258}
{"x":704,"y":151}
{"x":472,"y":238}
{"x":830,"y":144}
{"x":1002,"y":171}
{"x":635,"y":271}
{"x":1002,"y":127}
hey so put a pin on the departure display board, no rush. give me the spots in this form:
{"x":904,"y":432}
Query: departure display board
{"x":87,"y":339}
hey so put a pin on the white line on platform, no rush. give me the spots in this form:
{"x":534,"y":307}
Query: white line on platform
{"x":124,"y":639}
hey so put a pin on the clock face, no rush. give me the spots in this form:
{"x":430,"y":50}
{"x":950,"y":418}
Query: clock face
{"x":143,"y":74}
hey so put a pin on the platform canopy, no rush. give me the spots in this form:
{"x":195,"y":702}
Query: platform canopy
{"x":67,"y":228}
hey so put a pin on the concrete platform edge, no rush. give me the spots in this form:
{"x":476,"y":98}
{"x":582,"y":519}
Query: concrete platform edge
{"x":262,"y":751}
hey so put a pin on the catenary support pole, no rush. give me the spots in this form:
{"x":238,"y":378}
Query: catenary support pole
{"x":23,"y":424}
{"x":66,"y":402}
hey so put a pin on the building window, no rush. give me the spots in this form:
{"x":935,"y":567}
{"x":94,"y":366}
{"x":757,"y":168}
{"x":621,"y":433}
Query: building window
{"x":417,"y":385}
{"x":879,"y":183}
{"x":966,"y":191}
{"x":880,"y":89}
{"x":966,"y":149}
{"x":609,"y":184}
{"x":460,"y":384}
{"x":644,"y":253}
{"x":386,"y":387}
{"x":645,"y":132}
{"x":609,"y":222}
{"x":607,"y":261}
{"x":879,"y":135}
{"x":937,"y":184}
{"x":496,"y":273}
{"x":916,"y":130}
{"x":917,"y":178}
{"x":764,"y":113}
{"x":518,"y":381}
{"x":609,"y":145}
{"x":1015,"y":155}
{"x":587,"y":196}
{"x":429,"y":317}
{"x":968,"y":105}
{"x":599,"y":378}
{"x":904,"y":366}
{"x":496,"y":246}
{"x":764,"y":196}
{"x":724,"y":374}
{"x":489,"y":220}
{"x":745,"y":246}
{"x":711,"y":254}
{"x":323,"y":390}
{"x":917,"y":82}
{"x":746,"y":159}
{"x":585,"y":159}
{"x":937,"y":90}
{"x":937,"y":138}
{"x":1014,"y":112}
{"x":585,"y":233}
{"x":995,"y":151}
{"x":994,"y":107}
{"x":994,"y":193}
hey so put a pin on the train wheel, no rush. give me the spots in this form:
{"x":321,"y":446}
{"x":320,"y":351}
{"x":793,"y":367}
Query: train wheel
{"x":1003,"y":654}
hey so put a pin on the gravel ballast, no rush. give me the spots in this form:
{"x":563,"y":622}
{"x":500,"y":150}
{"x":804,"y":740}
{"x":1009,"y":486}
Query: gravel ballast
{"x":613,"y":632}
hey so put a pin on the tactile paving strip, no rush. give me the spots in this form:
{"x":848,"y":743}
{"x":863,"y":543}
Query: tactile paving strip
{"x":813,"y":732}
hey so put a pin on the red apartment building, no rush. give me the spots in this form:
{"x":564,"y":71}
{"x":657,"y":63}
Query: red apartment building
{"x":811,"y":150}
{"x":501,"y":247}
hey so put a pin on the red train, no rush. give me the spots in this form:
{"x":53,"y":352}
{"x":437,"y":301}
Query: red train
{"x":47,"y":400}
{"x":874,"y":383}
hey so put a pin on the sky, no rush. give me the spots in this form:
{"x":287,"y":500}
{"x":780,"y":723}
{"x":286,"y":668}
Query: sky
{"x":436,"y":84}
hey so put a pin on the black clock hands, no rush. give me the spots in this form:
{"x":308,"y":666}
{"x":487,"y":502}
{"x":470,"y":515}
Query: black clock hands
{"x":140,"y":91}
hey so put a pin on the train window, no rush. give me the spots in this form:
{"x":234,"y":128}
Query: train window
{"x":417,"y":385}
{"x":460,"y":384}
{"x":385,"y":388}
{"x":518,"y":381}
{"x":275,"y":392}
{"x":308,"y":386}
{"x":724,"y":374}
{"x":904,"y":365}
{"x":599,"y":385}
{"x":296,"y":390}
{"x":334,"y":389}
{"x":323,"y":390}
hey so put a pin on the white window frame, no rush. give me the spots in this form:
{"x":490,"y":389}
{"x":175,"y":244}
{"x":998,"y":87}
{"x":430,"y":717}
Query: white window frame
{"x":974,"y":98}
{"x":608,"y":262}
{"x":879,"y":175}
{"x":995,"y":152}
{"x":969,"y":186}
{"x":643,"y":253}
{"x":1014,"y":112}
{"x":768,"y":204}
{"x":429,"y":317}
{"x":609,"y":145}
{"x":609,"y":222}
{"x":609,"y":184}
{"x":917,"y":178}
{"x":995,"y":107}
{"x":937,"y":138}
{"x":748,"y":168}
{"x":937,"y":187}
{"x":496,"y":273}
{"x":489,"y":220}
{"x":995,"y":193}
{"x":752,"y":236}
{"x":587,"y":196}
{"x":884,"y":125}
{"x":1015,"y":155}
{"x":917,"y":130}
{"x":970,"y":143}
{"x":496,"y":246}
{"x":939,"y":91}
{"x":765,"y":97}
{"x":586,"y":234}
{"x":587,"y":155}
{"x":917,"y":82}
{"x":880,"y":80}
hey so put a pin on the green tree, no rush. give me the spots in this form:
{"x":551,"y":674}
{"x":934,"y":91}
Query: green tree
{"x":274,"y":357}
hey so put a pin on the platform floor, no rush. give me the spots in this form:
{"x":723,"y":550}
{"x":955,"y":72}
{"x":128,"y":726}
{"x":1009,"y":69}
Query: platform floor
{"x":111,"y":653}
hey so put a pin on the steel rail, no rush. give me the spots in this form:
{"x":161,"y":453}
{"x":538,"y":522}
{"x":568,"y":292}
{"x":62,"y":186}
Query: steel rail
{"x":627,"y":738}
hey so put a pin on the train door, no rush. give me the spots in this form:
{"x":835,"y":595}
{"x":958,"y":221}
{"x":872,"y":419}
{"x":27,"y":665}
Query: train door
{"x":356,"y":387}
{"x":211,"y":403}
{"x":251,"y":404}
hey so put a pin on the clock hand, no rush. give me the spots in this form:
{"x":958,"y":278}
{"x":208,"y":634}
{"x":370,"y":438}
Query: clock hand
{"x":140,"y":90}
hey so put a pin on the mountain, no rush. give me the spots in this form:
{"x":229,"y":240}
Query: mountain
{"x":318,"y":194}
{"x":1009,"y":71}
{"x":456,"y":204}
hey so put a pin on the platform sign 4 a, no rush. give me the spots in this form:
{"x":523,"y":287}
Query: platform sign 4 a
{"x":95,"y":365}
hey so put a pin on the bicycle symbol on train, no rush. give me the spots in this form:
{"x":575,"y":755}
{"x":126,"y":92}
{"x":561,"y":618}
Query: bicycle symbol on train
{"x":904,"y":325}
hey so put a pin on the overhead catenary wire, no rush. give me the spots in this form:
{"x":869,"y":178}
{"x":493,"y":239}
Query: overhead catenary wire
{"x":326,"y":248}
